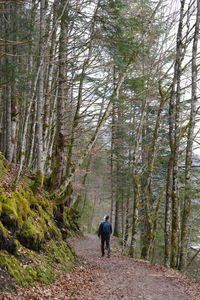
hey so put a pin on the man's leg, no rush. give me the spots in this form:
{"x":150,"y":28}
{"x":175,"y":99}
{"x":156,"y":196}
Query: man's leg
{"x":102,"y":245}
{"x":108,"y":244}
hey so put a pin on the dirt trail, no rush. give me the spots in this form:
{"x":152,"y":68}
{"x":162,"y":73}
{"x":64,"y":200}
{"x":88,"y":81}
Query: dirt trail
{"x":111,"y":278}
{"x":121,"y":277}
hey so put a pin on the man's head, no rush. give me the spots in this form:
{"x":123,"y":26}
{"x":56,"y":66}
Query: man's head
{"x":106,"y":217}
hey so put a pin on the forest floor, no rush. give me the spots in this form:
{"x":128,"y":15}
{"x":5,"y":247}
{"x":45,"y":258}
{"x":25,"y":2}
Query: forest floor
{"x":113,"y":278}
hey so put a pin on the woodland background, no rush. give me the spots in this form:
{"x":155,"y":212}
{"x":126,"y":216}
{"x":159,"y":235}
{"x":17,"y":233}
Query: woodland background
{"x":99,"y":102}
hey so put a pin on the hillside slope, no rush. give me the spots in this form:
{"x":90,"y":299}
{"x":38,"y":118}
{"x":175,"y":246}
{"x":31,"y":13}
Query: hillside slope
{"x":32,"y":246}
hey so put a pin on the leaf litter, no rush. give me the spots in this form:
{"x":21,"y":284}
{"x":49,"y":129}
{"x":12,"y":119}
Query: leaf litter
{"x":117,"y":277}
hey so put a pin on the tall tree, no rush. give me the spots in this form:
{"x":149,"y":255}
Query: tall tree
{"x":40,"y":96}
{"x":174,"y":119}
{"x":189,"y":150}
{"x":60,"y":167}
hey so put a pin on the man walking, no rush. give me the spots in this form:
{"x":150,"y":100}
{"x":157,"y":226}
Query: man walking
{"x":105,"y":230}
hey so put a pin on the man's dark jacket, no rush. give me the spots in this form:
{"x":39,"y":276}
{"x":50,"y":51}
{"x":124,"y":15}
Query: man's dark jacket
{"x":105,"y":228}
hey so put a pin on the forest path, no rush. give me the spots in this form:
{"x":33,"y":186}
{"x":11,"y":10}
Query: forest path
{"x":120,"y":277}
{"x":113,"y":278}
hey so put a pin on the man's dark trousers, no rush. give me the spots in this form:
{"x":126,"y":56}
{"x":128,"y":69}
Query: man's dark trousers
{"x":105,"y":237}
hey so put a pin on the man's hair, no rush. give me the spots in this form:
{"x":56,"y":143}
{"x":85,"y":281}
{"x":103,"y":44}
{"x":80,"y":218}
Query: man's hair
{"x":106,"y":217}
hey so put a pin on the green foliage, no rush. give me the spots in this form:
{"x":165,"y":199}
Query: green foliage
{"x":86,"y":210}
{"x":137,"y":83}
{"x":123,"y":30}
{"x":119,"y":29}
{"x":158,"y":247}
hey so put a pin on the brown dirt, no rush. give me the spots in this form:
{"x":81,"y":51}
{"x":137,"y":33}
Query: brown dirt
{"x":113,"y":278}
{"x":120,"y":277}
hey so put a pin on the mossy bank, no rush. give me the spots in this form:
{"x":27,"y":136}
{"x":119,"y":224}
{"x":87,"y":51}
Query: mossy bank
{"x":33,"y":245}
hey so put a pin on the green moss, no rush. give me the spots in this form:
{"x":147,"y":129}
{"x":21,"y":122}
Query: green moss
{"x":1,"y":155}
{"x":43,"y":266}
{"x":2,"y":167}
{"x":38,"y":182}
{"x":31,"y":236}
{"x":25,"y":192}
{"x":66,"y":217}
{"x":9,"y":210}
{"x":28,"y":230}
{"x":60,"y":252}
{"x":23,"y":208}
{"x":0,"y":207}
{"x":17,"y":245}
{"x":53,"y":230}
{"x":43,"y":201}
{"x":19,"y":274}
{"x":14,"y":209}
{"x":49,"y":182}
{"x":26,"y":275}
{"x":3,"y":231}
{"x":69,"y":221}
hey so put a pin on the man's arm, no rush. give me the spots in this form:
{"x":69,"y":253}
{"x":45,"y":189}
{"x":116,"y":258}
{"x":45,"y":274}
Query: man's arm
{"x":100,"y":229}
{"x":110,"y":228}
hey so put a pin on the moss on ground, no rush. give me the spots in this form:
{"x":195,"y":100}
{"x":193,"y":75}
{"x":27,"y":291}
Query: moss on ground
{"x":9,"y":210}
{"x":3,"y":231}
{"x":2,"y":167}
{"x":29,"y":216}
{"x":59,"y":252}
{"x":31,"y":243}
{"x":29,"y":267}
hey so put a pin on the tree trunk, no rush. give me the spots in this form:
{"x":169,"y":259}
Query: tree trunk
{"x":8,"y":123}
{"x":175,"y":148}
{"x":112,"y":162}
{"x":61,"y":102}
{"x":148,"y":234}
{"x":136,"y":192}
{"x":7,"y":89}
{"x":127,"y":223}
{"x":190,"y":137}
{"x":118,"y":150}
{"x":168,"y":213}
{"x":40,"y":100}
{"x":50,"y":79}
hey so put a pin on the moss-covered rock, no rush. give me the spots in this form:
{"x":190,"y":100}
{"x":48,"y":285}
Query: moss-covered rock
{"x":9,"y":214}
{"x":30,"y":236}
{"x":70,"y":219}
{"x":3,"y":231}
{"x":29,"y":267}
{"x":7,"y":241}
{"x":31,"y":239}
{"x":23,"y":207}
